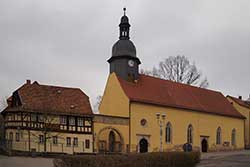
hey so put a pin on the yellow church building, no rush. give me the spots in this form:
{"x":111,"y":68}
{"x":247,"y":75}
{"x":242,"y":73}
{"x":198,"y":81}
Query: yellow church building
{"x":140,"y":113}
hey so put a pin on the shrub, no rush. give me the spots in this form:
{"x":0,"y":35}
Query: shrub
{"x":166,"y":159}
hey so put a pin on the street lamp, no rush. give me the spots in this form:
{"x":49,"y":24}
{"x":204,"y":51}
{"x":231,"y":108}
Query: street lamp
{"x":161,"y":121}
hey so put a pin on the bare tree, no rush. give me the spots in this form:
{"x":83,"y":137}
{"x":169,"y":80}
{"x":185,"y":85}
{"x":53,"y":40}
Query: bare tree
{"x":97,"y":103}
{"x":3,"y":103}
{"x":47,"y":129}
{"x":180,"y":70}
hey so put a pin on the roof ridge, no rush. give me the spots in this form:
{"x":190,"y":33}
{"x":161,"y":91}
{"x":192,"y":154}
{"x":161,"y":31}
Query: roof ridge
{"x":55,"y":86}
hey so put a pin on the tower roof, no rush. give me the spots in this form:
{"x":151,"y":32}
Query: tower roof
{"x":124,"y":46}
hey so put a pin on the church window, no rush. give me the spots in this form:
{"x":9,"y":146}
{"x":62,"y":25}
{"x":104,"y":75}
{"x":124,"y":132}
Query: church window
{"x":190,"y":134}
{"x":218,"y":136}
{"x":233,"y":137}
{"x":143,"y":122}
{"x":169,"y":133}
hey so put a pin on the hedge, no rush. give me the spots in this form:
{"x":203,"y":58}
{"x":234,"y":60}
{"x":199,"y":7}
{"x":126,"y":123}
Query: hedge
{"x":166,"y":159}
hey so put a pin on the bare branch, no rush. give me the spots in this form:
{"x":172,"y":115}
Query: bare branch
{"x":178,"y":69}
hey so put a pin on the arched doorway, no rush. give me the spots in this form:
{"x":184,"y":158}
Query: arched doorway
{"x":143,"y":145}
{"x":204,"y":145}
{"x":111,"y":141}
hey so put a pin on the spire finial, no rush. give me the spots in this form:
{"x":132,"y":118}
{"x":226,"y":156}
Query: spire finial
{"x":124,"y":10}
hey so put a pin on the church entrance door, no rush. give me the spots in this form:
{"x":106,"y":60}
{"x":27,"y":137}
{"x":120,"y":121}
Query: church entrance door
{"x":111,"y":141}
{"x":143,"y":145}
{"x":204,"y":145}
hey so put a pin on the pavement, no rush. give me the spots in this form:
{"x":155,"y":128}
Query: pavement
{"x":225,"y":159}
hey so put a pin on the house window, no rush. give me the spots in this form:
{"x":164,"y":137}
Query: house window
{"x":68,"y":141}
{"x":72,"y":121}
{"x":11,"y":136}
{"x":233,"y":138}
{"x":40,"y":118}
{"x":87,"y":143}
{"x":41,"y":139}
{"x":55,"y":140}
{"x":168,"y":132}
{"x":63,"y":120}
{"x":17,"y":136}
{"x":80,"y":121}
{"x":33,"y":117}
{"x":190,"y":134}
{"x":218,"y":136}
{"x":75,"y":141}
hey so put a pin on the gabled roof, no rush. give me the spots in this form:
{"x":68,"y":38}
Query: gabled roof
{"x":44,"y":98}
{"x":240,"y":101}
{"x":156,"y":91}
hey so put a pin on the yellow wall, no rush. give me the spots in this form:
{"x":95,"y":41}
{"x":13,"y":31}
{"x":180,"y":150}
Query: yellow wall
{"x":203,"y":124}
{"x":245,"y":112}
{"x":114,"y":101}
{"x":122,"y":129}
{"x":61,"y":147}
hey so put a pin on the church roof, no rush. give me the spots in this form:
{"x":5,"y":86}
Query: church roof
{"x":44,"y":98}
{"x":161,"y":92}
{"x":240,"y":102}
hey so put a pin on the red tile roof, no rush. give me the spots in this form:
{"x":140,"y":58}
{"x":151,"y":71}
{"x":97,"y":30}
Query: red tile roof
{"x":44,"y":98}
{"x":156,"y":91}
{"x":240,"y":102}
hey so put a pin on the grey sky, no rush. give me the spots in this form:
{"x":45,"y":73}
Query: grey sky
{"x":67,"y":43}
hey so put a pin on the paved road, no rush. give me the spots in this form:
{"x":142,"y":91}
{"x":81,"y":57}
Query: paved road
{"x":226,"y":159}
{"x":25,"y":162}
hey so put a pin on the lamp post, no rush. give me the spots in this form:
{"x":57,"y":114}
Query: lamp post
{"x":161,"y":121}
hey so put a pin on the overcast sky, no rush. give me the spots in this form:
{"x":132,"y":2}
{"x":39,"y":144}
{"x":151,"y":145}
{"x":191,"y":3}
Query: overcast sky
{"x":67,"y":42}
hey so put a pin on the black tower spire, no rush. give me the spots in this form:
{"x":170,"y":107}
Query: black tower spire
{"x":124,"y":26}
{"x":123,"y":61}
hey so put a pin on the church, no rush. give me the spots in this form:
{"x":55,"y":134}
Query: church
{"x":140,"y":113}
{"x":137,"y":113}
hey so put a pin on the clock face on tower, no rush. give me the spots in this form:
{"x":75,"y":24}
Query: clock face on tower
{"x":131,"y":63}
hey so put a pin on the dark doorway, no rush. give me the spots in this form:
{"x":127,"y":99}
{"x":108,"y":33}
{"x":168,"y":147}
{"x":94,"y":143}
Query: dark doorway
{"x":204,"y":145}
{"x":111,"y":141}
{"x":143,"y":146}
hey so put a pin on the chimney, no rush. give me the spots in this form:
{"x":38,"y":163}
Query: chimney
{"x":28,"y":81}
{"x":240,"y":97}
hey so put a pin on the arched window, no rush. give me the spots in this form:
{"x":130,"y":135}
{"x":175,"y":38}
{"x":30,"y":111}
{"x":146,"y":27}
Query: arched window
{"x":169,"y":133}
{"x":233,"y":138}
{"x":218,"y":136}
{"x":190,"y":134}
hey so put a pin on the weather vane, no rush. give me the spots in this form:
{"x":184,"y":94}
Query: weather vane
{"x":124,"y":10}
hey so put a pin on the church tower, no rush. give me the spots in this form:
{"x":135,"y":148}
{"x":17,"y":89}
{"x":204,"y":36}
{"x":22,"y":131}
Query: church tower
{"x":123,"y":60}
